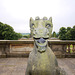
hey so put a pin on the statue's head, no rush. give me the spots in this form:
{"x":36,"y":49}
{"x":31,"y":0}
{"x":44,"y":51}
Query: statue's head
{"x":41,"y":30}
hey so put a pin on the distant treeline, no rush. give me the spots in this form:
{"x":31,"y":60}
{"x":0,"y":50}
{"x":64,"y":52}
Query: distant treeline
{"x":25,"y":34}
{"x":65,"y":33}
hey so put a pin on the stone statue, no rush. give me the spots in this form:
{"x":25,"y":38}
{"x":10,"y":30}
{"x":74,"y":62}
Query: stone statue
{"x":42,"y":60}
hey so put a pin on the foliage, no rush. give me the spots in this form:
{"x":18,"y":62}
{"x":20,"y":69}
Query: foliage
{"x":62,"y":33}
{"x":54,"y":34}
{"x":57,"y":35}
{"x":8,"y":33}
{"x":67,"y":33}
{"x":73,"y":33}
{"x":68,"y":28}
{"x":27,"y":36}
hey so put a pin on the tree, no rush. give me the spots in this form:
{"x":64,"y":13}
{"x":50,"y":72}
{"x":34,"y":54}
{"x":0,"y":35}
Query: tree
{"x":8,"y":33}
{"x":68,"y":28}
{"x":74,"y":26}
{"x":1,"y":30}
{"x":57,"y":35}
{"x":27,"y":36}
{"x":62,"y":33}
{"x":68,"y":34}
{"x":54,"y":34}
{"x":73,"y":33}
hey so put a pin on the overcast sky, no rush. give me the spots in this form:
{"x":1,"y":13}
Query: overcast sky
{"x":18,"y":12}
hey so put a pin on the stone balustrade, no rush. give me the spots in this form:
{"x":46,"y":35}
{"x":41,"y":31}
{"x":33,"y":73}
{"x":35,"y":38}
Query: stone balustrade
{"x":22,"y":48}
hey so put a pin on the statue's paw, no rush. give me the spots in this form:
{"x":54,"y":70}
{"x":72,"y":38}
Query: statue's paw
{"x":60,"y":71}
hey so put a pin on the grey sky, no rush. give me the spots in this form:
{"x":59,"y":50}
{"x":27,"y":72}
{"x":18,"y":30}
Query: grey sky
{"x":18,"y":12}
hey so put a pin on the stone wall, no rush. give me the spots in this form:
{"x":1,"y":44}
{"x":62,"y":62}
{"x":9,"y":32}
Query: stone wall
{"x":22,"y":48}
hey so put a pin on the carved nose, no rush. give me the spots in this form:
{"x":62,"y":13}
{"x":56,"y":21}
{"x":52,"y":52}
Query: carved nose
{"x":41,"y":40}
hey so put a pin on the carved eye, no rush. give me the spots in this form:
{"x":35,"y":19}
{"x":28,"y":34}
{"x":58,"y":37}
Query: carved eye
{"x":32,"y":25}
{"x":48,"y":25}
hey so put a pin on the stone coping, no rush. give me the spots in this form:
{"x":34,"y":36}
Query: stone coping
{"x":32,"y":41}
{"x":61,"y":41}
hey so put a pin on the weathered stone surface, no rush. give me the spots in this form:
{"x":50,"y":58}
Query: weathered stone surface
{"x":20,"y":48}
{"x":36,"y":27}
{"x":11,"y":48}
{"x":17,"y":66}
{"x":42,"y":60}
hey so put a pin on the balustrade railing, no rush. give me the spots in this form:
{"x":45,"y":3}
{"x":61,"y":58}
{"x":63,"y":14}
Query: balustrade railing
{"x":19,"y":47}
{"x":70,"y":48}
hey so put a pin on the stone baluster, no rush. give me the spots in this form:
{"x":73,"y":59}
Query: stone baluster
{"x":73,"y":48}
{"x":68,"y":48}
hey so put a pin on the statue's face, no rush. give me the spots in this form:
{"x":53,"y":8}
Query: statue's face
{"x":41,"y":31}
